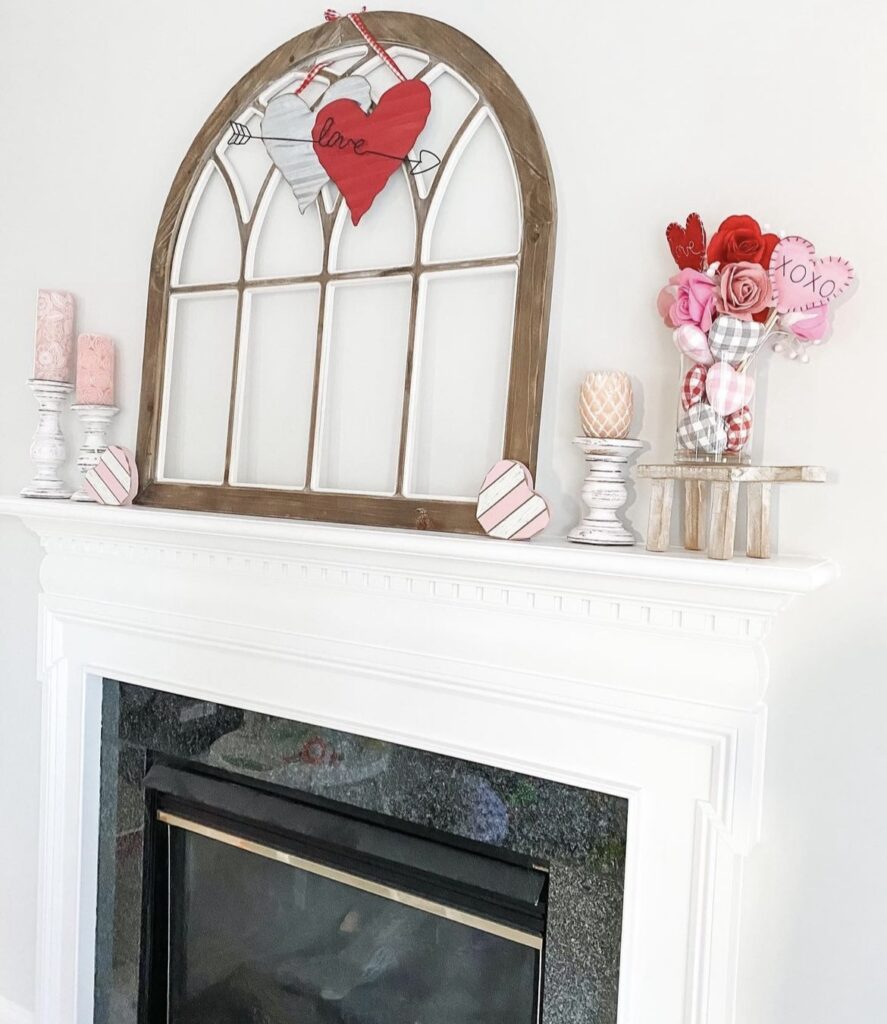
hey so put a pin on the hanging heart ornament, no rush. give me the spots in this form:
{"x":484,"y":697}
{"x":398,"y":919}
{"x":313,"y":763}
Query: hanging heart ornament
{"x":799,"y":281}
{"x":687,"y":243}
{"x":287,"y":132}
{"x":360,"y":151}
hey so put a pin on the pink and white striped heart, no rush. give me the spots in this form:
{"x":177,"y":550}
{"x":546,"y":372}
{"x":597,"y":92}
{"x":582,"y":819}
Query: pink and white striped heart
{"x":507,"y":506}
{"x":114,"y":479}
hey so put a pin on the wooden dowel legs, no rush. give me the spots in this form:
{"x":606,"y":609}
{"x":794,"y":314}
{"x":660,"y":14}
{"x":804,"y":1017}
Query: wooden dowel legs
{"x":757,"y":543}
{"x":659,"y":525}
{"x":724,"y":498}
{"x":693,"y":505}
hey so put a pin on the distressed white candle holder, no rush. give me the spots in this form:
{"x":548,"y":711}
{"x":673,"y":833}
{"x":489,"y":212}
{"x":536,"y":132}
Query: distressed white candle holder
{"x":95,"y":421}
{"x":604,"y":493}
{"x":48,"y":450}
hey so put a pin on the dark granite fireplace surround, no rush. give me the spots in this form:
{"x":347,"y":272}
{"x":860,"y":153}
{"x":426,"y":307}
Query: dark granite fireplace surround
{"x":488,"y":815}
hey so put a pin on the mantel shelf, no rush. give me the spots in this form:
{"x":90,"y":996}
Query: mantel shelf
{"x":786,"y":574}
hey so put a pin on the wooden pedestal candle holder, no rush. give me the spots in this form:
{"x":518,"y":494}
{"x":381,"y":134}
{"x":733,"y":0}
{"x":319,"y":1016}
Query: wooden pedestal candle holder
{"x":48,"y":450}
{"x":95,"y":419}
{"x":604,"y":493}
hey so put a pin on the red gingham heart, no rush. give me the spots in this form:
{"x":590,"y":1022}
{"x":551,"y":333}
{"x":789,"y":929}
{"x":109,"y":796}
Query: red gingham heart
{"x":738,"y":429}
{"x":693,"y":387}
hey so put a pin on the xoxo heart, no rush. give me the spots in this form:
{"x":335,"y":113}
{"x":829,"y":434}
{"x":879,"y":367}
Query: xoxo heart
{"x":734,"y":340}
{"x":728,"y":390}
{"x":361,"y":151}
{"x":799,"y":281}
{"x":702,"y":429}
{"x":687,"y":244}
{"x":507,"y":506}
{"x":693,"y":388}
{"x":286,"y":131}
{"x":114,"y":479}
{"x":738,"y":429}
{"x":692,"y":342}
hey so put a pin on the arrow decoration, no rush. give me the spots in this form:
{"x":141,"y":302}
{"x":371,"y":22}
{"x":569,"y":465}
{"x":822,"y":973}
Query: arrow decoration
{"x":425,"y":161}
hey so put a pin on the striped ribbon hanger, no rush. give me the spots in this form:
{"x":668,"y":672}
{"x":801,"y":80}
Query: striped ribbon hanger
{"x":330,"y":15}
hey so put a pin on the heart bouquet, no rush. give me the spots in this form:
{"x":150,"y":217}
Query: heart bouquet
{"x":734,"y":294}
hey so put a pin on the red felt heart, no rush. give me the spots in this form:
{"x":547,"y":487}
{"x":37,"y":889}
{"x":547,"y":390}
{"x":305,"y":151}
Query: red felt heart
{"x":361,"y":151}
{"x":687,"y":244}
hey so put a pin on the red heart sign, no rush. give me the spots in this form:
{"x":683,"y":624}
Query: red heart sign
{"x":687,"y":244}
{"x":361,"y":151}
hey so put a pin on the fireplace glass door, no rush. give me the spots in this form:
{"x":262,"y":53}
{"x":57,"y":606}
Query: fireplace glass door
{"x":254,"y":928}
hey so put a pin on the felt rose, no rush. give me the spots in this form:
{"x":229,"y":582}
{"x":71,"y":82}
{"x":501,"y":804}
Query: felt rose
{"x":739,"y":240}
{"x":743,"y":290}
{"x":688,"y":298}
{"x":808,"y":325}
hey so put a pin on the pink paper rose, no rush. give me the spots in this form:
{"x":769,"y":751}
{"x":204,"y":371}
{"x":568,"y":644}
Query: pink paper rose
{"x":808,"y":325}
{"x":688,"y":298}
{"x":743,"y":290}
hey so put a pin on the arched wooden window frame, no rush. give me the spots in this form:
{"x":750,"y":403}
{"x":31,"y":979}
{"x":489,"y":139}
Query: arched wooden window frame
{"x":535,"y":260}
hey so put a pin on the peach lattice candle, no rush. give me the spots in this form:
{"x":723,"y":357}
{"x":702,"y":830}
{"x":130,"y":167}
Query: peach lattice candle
{"x":54,"y":336}
{"x":95,"y":370}
{"x":606,"y":404}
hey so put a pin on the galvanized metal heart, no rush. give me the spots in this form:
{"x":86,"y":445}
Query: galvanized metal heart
{"x":286,"y":131}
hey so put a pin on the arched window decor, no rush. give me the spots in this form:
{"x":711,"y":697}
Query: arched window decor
{"x":298,"y":366}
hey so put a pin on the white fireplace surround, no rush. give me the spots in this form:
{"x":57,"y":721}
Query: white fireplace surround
{"x":630,"y":673}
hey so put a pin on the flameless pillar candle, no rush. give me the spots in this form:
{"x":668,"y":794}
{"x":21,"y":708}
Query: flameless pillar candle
{"x":54,"y":336}
{"x":95,"y":370}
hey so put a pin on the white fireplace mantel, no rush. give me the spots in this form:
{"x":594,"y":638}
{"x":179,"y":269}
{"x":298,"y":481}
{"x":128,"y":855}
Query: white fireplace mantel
{"x":641,"y":675}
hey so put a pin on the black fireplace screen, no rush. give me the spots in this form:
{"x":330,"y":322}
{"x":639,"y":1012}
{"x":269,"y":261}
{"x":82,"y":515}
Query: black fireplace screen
{"x":273,"y":910}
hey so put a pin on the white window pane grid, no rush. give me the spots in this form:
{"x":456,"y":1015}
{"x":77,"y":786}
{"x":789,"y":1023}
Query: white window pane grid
{"x":404,"y":244}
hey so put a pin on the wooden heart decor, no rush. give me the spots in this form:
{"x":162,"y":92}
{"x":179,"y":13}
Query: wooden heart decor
{"x":507,"y":506}
{"x":799,"y":281}
{"x":287,"y":133}
{"x":114,"y":479}
{"x":360,"y":151}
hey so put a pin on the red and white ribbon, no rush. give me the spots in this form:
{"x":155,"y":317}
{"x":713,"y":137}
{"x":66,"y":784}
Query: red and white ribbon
{"x":312,"y":74}
{"x":358,"y":22}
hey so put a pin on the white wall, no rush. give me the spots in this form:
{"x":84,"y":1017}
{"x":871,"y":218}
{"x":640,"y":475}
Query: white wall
{"x":650,"y":110}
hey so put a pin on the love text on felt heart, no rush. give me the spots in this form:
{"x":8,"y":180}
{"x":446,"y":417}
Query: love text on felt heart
{"x":361,"y":151}
{"x":799,"y":281}
{"x":687,"y":244}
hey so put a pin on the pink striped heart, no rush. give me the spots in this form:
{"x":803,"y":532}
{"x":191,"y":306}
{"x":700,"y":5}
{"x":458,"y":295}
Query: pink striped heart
{"x":507,"y":506}
{"x":114,"y":479}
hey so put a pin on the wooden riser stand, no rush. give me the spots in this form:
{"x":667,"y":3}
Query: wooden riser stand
{"x":723,"y":482}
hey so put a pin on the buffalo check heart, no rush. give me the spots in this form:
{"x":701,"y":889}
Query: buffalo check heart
{"x":693,"y":388}
{"x":703,"y":430}
{"x":738,"y":429}
{"x":727,"y":389}
{"x":733,"y":340}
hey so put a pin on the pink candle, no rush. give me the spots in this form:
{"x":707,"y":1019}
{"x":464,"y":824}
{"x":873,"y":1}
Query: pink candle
{"x":55,"y":336}
{"x":95,"y":370}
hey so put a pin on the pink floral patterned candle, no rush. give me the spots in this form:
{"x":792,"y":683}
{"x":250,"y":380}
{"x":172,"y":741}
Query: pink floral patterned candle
{"x":55,"y":336}
{"x":95,"y":370}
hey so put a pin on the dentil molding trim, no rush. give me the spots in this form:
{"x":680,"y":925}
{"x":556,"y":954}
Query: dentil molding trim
{"x":641,"y":675}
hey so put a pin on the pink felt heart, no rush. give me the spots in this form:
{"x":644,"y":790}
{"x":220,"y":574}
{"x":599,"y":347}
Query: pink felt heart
{"x":692,"y":342}
{"x":800,"y":281}
{"x":727,"y":389}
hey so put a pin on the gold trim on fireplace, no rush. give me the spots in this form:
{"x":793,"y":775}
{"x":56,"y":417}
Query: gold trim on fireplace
{"x":503,"y":931}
